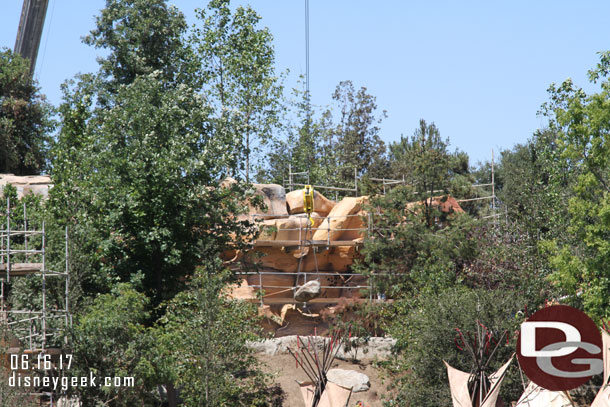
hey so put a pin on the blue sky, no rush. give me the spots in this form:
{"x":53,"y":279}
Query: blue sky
{"x":478,"y":69}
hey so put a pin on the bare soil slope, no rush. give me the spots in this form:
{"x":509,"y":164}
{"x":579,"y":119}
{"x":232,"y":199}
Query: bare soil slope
{"x":283,"y":367}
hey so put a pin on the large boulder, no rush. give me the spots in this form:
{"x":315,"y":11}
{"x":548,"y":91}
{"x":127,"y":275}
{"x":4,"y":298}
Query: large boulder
{"x":321,"y":204}
{"x":274,"y":197}
{"x":342,"y":257}
{"x":307,"y":291}
{"x":349,"y":378}
{"x":293,"y":228}
{"x":272,"y":257}
{"x":445,"y":203}
{"x":287,"y":259}
{"x":28,"y":184}
{"x":340,"y":218}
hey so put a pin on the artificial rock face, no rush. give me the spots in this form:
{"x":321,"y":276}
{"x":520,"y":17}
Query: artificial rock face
{"x":28,"y":184}
{"x":344,"y":214}
{"x":312,"y":273}
{"x":274,"y":197}
{"x":321,"y":204}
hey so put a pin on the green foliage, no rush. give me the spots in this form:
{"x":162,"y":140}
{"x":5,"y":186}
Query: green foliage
{"x":356,"y":142}
{"x":425,"y":330}
{"x":143,"y":36}
{"x":424,"y":160}
{"x":426,"y":164}
{"x":505,"y":259}
{"x":163,"y":228}
{"x":108,"y":337}
{"x":343,"y":141}
{"x":237,"y":75}
{"x":533,"y":186}
{"x":25,"y":118}
{"x":138,"y":165}
{"x":413,"y":248}
{"x":581,"y":123}
{"x":201,"y":346}
{"x":304,"y":146}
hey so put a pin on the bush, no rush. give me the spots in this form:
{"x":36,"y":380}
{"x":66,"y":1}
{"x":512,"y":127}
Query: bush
{"x":425,"y":329}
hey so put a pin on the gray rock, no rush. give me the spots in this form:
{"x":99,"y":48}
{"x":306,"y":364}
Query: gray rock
{"x":349,"y":378}
{"x":308,"y":291}
{"x":379,"y":348}
{"x":374,"y":348}
{"x":274,"y":197}
{"x":274,"y":346}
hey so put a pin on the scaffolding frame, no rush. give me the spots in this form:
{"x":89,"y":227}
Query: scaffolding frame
{"x":31,"y":326}
{"x":388,"y":182}
{"x":291,"y":183}
{"x":326,"y":244}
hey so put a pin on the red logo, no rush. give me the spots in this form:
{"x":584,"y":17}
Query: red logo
{"x":560,"y":348}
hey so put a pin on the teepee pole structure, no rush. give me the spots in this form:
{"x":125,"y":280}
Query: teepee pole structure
{"x":316,"y":362}
{"x":477,"y":388}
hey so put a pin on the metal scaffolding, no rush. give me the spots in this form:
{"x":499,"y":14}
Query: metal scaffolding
{"x":306,"y":234}
{"x":23,"y":253}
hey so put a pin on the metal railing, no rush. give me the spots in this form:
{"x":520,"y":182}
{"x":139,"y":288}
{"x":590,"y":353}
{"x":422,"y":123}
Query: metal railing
{"x":308,"y":276}
{"x":305,"y":230}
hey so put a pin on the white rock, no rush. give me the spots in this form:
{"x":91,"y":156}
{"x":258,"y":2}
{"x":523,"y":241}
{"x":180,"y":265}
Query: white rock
{"x":349,"y":378}
{"x":377,"y":347}
{"x":274,"y":346}
{"x":308,"y":291}
{"x":374,"y":348}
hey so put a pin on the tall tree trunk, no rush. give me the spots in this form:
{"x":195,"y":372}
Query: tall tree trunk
{"x":172,"y":399}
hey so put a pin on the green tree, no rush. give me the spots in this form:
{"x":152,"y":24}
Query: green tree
{"x":138,"y":171}
{"x":138,"y":165}
{"x":237,"y":75}
{"x":108,"y":339}
{"x":25,"y":118}
{"x":144,"y":36}
{"x":414,"y":246}
{"x":581,"y":122}
{"x":201,"y":346}
{"x":532,"y":187}
{"x":411,"y":250}
{"x":151,"y":187}
{"x":331,"y":147}
{"x":425,"y":330}
{"x":426,"y":164}
{"x":304,"y":145}
{"x":355,"y":144}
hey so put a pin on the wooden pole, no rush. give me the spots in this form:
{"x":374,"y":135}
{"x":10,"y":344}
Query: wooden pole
{"x":493,"y":184}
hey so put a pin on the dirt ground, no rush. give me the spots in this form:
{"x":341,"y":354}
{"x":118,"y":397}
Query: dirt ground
{"x":285,"y":371}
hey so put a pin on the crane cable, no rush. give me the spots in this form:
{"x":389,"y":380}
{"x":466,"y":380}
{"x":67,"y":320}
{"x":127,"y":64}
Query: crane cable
{"x":308,"y":191}
{"x":308,"y":208}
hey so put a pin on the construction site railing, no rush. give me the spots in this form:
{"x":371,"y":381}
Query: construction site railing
{"x":261,"y":286}
{"x":308,"y":229}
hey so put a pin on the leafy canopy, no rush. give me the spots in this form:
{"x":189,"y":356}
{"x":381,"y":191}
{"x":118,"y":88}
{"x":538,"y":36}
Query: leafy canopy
{"x":236,"y":71}
{"x":25,"y":118}
{"x":582,"y":123}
